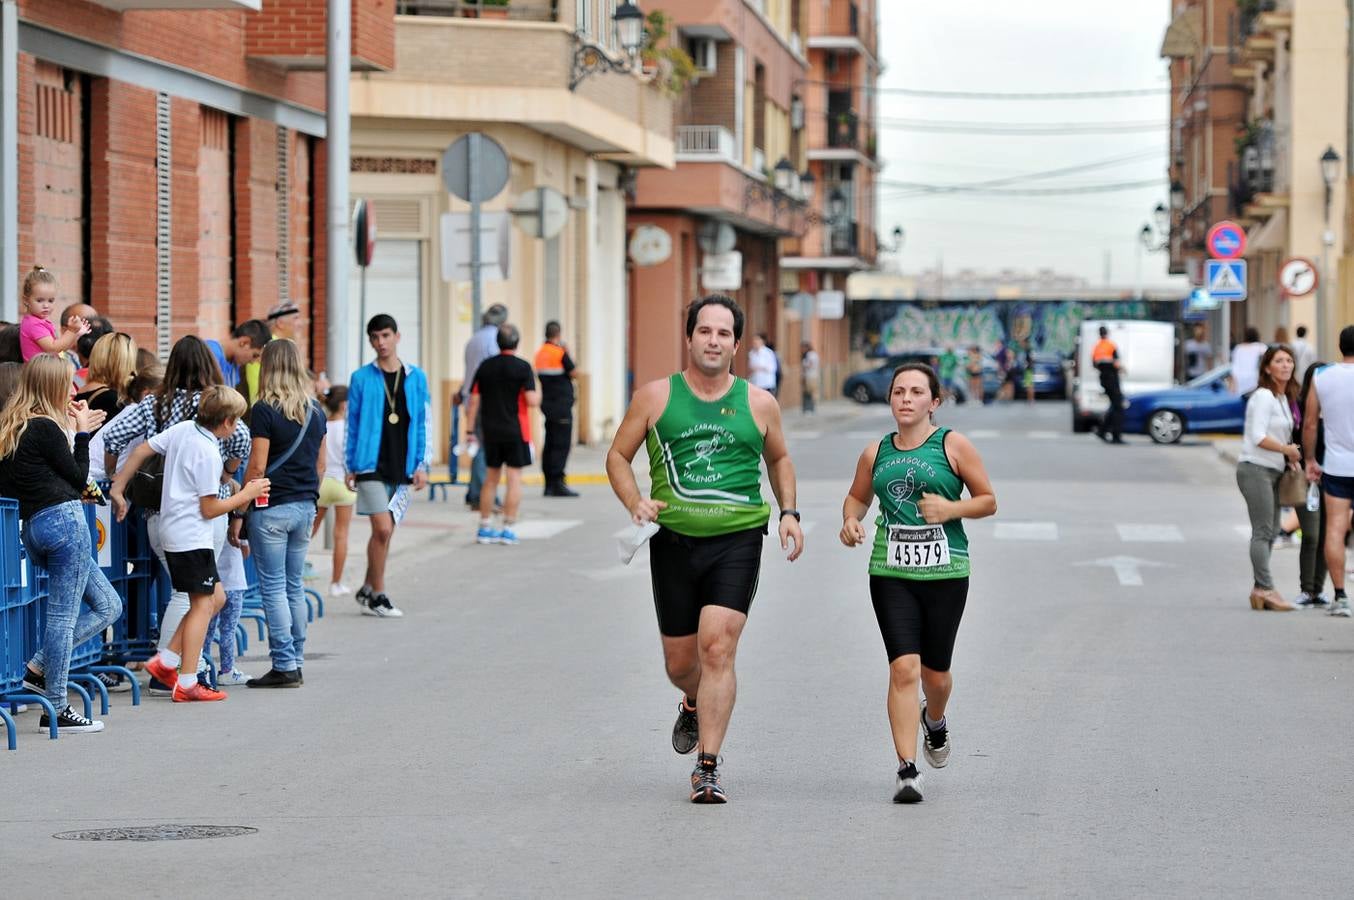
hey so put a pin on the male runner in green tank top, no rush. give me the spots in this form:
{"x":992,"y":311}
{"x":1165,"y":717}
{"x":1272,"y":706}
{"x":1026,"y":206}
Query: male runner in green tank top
{"x":706,"y":432}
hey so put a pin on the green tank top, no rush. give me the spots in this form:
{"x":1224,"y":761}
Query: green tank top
{"x":705,"y":462}
{"x":904,"y":545}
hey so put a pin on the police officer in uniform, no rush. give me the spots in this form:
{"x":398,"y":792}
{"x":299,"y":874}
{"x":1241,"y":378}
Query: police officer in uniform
{"x":1105,"y":357}
{"x":556,"y":371}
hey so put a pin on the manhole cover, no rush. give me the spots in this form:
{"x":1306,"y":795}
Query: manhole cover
{"x":157,"y":833}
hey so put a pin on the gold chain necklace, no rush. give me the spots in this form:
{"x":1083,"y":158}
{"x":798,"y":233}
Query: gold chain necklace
{"x":394,"y":417}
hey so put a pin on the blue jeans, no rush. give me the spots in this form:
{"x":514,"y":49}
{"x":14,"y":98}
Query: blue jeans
{"x":279,"y":537}
{"x":222,"y":630}
{"x":57,"y":539}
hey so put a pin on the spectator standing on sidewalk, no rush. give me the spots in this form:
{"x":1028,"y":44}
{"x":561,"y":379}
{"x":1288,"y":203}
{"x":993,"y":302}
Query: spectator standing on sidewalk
{"x":974,"y":369}
{"x":190,"y":502}
{"x":190,"y":372}
{"x":387,"y":448}
{"x":112,"y":365}
{"x":483,"y":344}
{"x":1312,"y":523}
{"x":242,"y":348}
{"x":555,"y":368}
{"x":39,"y":468}
{"x":333,"y":492}
{"x":1267,"y":449}
{"x":811,"y":370}
{"x":1331,"y":403}
{"x":289,"y":430}
{"x":1303,"y":353}
{"x":762,"y":365}
{"x":1198,"y":353}
{"x":503,"y":392}
{"x":1246,"y":363}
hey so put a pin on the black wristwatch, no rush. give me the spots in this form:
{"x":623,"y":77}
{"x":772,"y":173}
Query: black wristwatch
{"x":791,"y":512}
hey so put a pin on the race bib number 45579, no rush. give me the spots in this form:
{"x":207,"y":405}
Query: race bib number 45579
{"x":917,"y":546}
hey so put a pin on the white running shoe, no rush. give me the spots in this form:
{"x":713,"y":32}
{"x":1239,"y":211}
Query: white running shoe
{"x":935,"y":745}
{"x":234,"y":676}
{"x":1341,"y":608}
{"x":909,"y":784}
{"x":339,"y":589}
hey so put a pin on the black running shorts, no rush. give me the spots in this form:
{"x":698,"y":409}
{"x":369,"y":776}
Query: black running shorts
{"x":513,"y":454}
{"x":192,"y":571}
{"x":919,"y":617}
{"x":691,"y":573}
{"x":1341,"y":487}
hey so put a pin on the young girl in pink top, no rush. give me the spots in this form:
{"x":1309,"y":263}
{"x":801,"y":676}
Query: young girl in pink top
{"x":37,"y":334}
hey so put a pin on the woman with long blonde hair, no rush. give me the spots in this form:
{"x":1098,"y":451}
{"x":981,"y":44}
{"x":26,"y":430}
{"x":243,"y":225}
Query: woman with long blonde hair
{"x":42,"y":468}
{"x":112,"y":365}
{"x":289,"y":430}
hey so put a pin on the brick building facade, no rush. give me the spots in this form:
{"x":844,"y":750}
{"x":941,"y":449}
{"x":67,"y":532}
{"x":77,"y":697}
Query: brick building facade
{"x":171,"y":162}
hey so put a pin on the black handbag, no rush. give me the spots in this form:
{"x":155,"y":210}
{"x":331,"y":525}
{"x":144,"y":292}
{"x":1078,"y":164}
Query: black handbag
{"x":148,"y":484}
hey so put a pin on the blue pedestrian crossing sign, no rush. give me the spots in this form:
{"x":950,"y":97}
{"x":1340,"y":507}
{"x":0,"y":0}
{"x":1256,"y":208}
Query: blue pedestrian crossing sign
{"x":1225,"y":279}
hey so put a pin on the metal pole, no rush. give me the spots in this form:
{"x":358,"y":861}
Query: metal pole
{"x":1323,"y":341}
{"x":1137,"y":272}
{"x":338,"y":246}
{"x":476,"y":276}
{"x":362,"y":313}
{"x":9,"y":161}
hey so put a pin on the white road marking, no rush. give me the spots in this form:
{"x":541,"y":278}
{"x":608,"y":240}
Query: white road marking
{"x":1150,"y":534}
{"x":1026,"y":531}
{"x":1126,"y":568}
{"x":541,"y":529}
{"x":803,"y":435}
{"x":1043,"y":435}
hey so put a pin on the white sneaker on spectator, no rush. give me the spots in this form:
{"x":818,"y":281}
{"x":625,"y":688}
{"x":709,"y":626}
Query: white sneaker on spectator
{"x":338,"y":589}
{"x":234,"y":676}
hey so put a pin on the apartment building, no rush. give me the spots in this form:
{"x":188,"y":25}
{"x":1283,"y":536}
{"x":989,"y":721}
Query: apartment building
{"x":521,"y":73}
{"x":1260,"y":96}
{"x":169,"y":158}
{"x":839,"y":135}
{"x":737,"y":189}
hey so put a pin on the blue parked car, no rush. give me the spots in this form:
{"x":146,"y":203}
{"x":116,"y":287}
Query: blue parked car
{"x":1204,"y":404}
{"x":872,"y":385}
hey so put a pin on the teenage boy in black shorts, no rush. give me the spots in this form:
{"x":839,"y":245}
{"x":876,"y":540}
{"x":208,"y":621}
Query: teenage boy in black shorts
{"x":192,"y":478}
{"x":503,"y":393}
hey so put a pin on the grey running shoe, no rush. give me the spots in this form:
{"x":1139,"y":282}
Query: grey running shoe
{"x":935,"y":745}
{"x":685,"y":732}
{"x":909,"y":784}
{"x":705,"y":787}
{"x":1341,"y":608}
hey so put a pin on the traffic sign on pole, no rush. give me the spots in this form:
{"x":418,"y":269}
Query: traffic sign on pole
{"x":1225,"y":279}
{"x":1226,"y":240}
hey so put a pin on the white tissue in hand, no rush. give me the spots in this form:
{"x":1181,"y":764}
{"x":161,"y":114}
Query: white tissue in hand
{"x":628,"y":544}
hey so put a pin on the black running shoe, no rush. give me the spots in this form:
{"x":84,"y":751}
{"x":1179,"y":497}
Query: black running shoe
{"x":705,"y":786}
{"x":275,"y":679}
{"x":685,"y":733}
{"x":363,"y":596}
{"x":35,"y":681}
{"x":68,"y":721}
{"x":909,"y":784}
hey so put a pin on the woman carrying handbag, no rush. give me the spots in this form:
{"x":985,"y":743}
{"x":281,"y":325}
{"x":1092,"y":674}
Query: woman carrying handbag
{"x":1267,"y":453}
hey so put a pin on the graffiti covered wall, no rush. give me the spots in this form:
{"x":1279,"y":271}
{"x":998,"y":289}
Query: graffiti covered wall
{"x":882,"y":327}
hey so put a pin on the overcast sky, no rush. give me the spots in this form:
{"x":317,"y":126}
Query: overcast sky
{"x":997,"y":46}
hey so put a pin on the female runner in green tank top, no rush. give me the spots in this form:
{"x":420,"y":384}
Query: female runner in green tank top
{"x":919,"y":562}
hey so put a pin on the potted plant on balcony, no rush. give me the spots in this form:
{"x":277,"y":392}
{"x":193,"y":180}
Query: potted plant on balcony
{"x":671,"y":67}
{"x":494,"y":9}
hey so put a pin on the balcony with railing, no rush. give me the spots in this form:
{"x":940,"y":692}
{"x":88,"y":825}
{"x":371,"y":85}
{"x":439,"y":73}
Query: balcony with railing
{"x":844,"y":239}
{"x":844,"y":25}
{"x":706,"y":143}
{"x":522,"y":10}
{"x":843,"y":131}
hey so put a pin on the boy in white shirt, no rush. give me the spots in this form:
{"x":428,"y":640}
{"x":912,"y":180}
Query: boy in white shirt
{"x":192,"y":478}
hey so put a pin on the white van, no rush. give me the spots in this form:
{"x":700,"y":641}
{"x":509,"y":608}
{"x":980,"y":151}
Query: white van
{"x":1146,"y":355}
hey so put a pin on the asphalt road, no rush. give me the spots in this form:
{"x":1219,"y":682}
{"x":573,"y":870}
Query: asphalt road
{"x":1123,"y":723}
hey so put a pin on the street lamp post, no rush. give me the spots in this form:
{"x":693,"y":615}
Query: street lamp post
{"x":1330,"y":172}
{"x":590,"y":58}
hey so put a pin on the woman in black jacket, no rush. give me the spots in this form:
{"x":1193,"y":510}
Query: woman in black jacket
{"x":46,"y":472}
